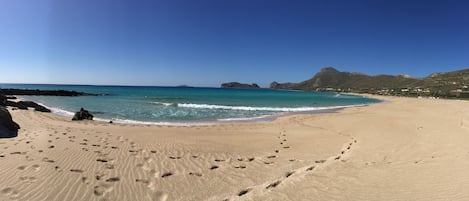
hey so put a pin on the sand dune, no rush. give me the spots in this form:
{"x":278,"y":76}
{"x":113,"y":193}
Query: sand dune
{"x":405,"y":149}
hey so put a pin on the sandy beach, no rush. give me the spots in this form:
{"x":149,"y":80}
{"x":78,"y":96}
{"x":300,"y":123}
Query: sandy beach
{"x":403,"y":149}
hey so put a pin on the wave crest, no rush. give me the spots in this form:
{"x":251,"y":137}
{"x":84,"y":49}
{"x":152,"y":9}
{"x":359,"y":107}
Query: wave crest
{"x":249,"y":108}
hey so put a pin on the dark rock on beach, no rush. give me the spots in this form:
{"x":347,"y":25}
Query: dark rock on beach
{"x":82,"y":114}
{"x":3,"y":99}
{"x":34,"y":105}
{"x":8,"y":128}
{"x":16,"y":105}
{"x":23,"y":105}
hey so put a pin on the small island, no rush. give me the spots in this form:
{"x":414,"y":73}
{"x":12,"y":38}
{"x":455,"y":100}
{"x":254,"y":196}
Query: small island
{"x":240,"y":85}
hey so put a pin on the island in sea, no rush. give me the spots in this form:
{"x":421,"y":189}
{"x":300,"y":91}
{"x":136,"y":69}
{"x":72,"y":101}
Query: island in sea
{"x":239,"y":85}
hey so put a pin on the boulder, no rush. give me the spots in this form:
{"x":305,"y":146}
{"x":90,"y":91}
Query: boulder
{"x":8,"y":128}
{"x":23,"y":105}
{"x":82,"y":114}
{"x":3,"y":99}
{"x":34,"y":105}
{"x":16,"y":104}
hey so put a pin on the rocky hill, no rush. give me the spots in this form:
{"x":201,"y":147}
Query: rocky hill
{"x":447,"y":84}
{"x":276,"y":85}
{"x":331,"y":78}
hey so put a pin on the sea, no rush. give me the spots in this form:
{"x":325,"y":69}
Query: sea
{"x":188,"y":105}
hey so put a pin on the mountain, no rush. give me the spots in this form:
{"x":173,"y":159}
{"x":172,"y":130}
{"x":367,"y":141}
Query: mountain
{"x":446,"y":84}
{"x":331,"y":78}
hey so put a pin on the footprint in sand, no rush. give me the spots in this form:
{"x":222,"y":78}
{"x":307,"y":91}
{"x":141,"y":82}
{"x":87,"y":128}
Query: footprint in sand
{"x":147,"y":159}
{"x":195,"y":174}
{"x":240,"y":167}
{"x":113,"y":179}
{"x":320,"y":161}
{"x":244,"y":192}
{"x":109,"y":166}
{"x":99,"y":176}
{"x":23,"y":167}
{"x":76,"y":170}
{"x":213,"y":167}
{"x":102,"y":160}
{"x":102,"y":189}
{"x":145,"y":181}
{"x":28,"y":179}
{"x":47,"y":160}
{"x":85,"y":180}
{"x":288,"y":174}
{"x":8,"y":191}
{"x":159,"y":196}
{"x":273,"y":185}
{"x":167,"y":174}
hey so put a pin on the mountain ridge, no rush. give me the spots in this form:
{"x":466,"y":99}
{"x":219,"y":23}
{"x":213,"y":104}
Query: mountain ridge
{"x":445,"y":84}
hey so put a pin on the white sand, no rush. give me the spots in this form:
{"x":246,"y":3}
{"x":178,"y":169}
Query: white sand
{"x":407,"y":149}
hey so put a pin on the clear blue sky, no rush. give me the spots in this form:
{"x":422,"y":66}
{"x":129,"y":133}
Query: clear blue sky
{"x":205,"y":43}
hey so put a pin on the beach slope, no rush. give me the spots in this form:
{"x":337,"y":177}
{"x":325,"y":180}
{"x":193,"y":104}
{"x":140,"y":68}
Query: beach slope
{"x":403,"y":149}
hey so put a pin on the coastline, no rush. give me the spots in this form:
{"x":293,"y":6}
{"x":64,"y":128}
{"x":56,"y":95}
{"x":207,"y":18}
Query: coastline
{"x":406,"y":149}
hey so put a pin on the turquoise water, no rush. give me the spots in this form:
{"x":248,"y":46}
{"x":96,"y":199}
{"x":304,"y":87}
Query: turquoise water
{"x":171,"y":105}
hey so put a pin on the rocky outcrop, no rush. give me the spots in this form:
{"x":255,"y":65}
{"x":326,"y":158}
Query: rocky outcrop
{"x":240,"y":85}
{"x":38,"y":92}
{"x":8,"y":128}
{"x":23,"y":105}
{"x":3,"y":99}
{"x":16,"y":105}
{"x":276,"y":85}
{"x":82,"y":114}
{"x":34,"y":105}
